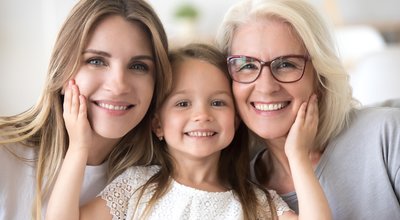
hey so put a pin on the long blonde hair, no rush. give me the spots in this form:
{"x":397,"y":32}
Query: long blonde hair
{"x":42,"y":126}
{"x":332,"y":85}
{"x":233,"y":167}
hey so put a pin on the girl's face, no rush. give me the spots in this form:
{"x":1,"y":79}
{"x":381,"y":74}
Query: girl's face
{"x":116,"y":76}
{"x":267,"y":106}
{"x":197,"y":119}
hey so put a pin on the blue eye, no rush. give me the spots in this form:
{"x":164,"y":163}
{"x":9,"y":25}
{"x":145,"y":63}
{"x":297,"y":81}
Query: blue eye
{"x":96,"y":62}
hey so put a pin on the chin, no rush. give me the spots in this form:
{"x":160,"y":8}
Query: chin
{"x":271,"y":134}
{"x":111,"y":133}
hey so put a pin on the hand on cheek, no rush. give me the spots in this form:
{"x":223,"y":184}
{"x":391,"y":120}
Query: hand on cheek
{"x":75,"y":117}
{"x":303,"y":131}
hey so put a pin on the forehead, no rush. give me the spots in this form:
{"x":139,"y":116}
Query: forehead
{"x":266,"y":38}
{"x":197,"y":74}
{"x":118,"y":35}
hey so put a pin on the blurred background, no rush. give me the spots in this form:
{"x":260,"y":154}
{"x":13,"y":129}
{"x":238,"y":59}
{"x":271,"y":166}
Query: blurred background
{"x":367,"y":32}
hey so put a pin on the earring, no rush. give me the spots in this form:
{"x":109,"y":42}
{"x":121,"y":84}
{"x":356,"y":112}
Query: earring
{"x":161,"y":138}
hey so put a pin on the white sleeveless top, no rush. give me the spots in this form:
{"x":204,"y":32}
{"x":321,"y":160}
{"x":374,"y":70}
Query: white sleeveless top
{"x":180,"y":202}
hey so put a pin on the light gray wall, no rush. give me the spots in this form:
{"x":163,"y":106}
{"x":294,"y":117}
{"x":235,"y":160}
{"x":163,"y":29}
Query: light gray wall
{"x":27,"y":32}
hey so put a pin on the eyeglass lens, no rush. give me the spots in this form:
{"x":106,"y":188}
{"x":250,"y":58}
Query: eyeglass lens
{"x":284,"y":69}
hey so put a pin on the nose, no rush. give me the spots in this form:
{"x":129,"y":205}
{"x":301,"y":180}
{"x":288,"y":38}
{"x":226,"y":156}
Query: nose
{"x":202,"y":113}
{"x":266,"y":82}
{"x":117,"y":81}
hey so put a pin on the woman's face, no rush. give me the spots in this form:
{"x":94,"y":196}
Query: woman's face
{"x":267,"y":106}
{"x":116,"y":76}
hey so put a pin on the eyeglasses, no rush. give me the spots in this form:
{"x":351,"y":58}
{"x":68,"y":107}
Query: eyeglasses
{"x":285,"y":69}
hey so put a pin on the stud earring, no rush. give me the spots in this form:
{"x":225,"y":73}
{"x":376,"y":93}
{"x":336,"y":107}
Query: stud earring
{"x":161,"y":138}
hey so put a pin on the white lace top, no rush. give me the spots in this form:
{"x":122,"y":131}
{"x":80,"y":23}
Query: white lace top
{"x":180,"y":202}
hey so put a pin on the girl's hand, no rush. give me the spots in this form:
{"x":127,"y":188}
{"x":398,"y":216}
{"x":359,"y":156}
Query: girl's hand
{"x":302,"y":133}
{"x":75,"y":118}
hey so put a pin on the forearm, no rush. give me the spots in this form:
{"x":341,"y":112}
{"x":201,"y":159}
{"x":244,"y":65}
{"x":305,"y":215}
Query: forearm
{"x":64,"y":200}
{"x":311,"y":198}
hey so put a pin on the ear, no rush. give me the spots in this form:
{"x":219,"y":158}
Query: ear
{"x":156,"y":126}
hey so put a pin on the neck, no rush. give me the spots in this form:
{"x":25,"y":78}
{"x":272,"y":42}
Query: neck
{"x":101,"y":148}
{"x":199,"y":173}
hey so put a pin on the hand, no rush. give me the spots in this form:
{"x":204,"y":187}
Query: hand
{"x":75,"y":118}
{"x":302,"y":133}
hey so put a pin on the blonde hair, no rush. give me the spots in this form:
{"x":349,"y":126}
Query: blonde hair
{"x":333,"y":88}
{"x":233,"y":167}
{"x":42,"y":126}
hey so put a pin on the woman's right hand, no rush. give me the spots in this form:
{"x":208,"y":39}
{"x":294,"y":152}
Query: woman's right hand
{"x":75,"y":118}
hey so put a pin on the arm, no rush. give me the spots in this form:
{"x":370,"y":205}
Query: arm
{"x":312,"y":201}
{"x":64,"y":199}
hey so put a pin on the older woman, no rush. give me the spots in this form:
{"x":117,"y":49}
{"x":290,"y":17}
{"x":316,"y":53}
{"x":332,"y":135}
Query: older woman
{"x":280,"y":52}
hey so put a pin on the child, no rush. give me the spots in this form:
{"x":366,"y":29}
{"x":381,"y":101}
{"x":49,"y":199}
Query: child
{"x":202,"y":170}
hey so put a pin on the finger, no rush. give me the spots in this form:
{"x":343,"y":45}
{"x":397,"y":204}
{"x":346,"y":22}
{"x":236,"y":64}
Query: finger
{"x":301,"y":114}
{"x":82,"y":107}
{"x":67,"y":98}
{"x":75,"y":101}
{"x":312,"y":111}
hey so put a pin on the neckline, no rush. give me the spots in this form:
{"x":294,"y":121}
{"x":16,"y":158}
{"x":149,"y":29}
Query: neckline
{"x":190,"y":189}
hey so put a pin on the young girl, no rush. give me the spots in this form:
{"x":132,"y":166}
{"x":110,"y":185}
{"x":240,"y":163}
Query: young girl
{"x":202,"y":170}
{"x":116,"y":51}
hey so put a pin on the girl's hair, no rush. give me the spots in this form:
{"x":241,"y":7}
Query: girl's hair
{"x":332,"y":81}
{"x":233,"y":167}
{"x":42,"y":126}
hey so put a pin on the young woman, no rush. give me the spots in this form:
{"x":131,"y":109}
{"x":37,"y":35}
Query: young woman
{"x":280,"y":52}
{"x":116,"y":52}
{"x":200,"y":172}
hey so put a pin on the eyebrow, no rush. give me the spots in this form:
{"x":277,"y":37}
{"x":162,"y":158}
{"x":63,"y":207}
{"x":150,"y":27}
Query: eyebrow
{"x":103,"y":53}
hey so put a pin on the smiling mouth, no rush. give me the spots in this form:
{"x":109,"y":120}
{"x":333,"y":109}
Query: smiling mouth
{"x":200,"y":133}
{"x":113,"y":107}
{"x":270,"y":107}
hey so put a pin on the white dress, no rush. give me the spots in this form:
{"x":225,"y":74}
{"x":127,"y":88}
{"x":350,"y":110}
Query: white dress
{"x":180,"y":202}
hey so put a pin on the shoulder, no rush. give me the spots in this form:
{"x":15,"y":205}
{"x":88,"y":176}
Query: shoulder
{"x":280,"y":205}
{"x":376,"y":115}
{"x":136,"y":175}
{"x":372,"y":120}
{"x":119,"y":192}
{"x":129,"y":181}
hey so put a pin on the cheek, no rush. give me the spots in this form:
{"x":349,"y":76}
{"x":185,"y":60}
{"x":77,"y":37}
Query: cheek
{"x":305,"y":88}
{"x":85,"y":82}
{"x":145,"y":87}
{"x":240,"y":93}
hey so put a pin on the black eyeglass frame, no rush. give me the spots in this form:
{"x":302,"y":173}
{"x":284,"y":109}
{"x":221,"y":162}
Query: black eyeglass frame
{"x":268,"y":63}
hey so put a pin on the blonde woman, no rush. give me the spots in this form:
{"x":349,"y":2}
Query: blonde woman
{"x":280,"y":52}
{"x":121,"y":70}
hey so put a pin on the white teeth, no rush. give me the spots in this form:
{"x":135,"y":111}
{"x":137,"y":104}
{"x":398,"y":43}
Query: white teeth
{"x":269,"y":107}
{"x":200,"y":133}
{"x":113,"y":107}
